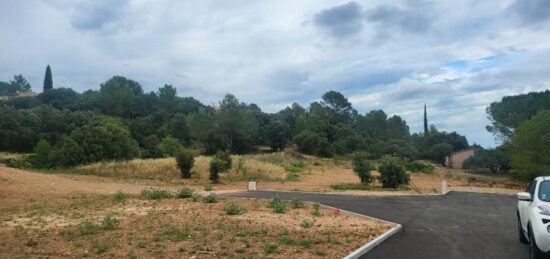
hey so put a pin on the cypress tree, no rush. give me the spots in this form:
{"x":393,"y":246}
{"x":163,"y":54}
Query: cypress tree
{"x":48,"y":82}
{"x":425,"y":121}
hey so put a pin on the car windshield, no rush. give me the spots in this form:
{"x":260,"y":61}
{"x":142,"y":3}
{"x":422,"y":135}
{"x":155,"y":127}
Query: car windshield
{"x":544,"y":191}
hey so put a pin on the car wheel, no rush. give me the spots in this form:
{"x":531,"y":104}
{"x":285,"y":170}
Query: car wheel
{"x":534,"y":252}
{"x":522,"y":238}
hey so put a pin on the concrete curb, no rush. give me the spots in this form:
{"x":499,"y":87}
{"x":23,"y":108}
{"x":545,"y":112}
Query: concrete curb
{"x":363,"y":249}
{"x":347,"y":194}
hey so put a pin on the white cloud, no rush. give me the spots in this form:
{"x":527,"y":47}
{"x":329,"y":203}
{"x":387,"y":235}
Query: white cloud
{"x":393,"y":55}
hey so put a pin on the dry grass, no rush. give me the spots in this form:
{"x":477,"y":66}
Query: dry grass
{"x":244,"y":168}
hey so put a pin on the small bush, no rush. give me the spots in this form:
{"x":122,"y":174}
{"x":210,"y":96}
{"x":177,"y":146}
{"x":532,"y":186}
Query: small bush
{"x":392,"y":173}
{"x":208,"y":188}
{"x":155,"y":194}
{"x":185,"y":161}
{"x":296,"y":204}
{"x":119,"y":196}
{"x":210,"y":198}
{"x":234,"y":209}
{"x":185,"y":193}
{"x":419,"y":167}
{"x":362,"y":167}
{"x":216,"y":167}
{"x":224,"y":156}
{"x":306,"y":224}
{"x":109,"y":222}
{"x":278,"y":205}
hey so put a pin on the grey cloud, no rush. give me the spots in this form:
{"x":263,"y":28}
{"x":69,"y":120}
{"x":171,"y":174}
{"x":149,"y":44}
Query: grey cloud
{"x":94,"y":15}
{"x":411,"y":19}
{"x":342,"y":20}
{"x":531,"y":11}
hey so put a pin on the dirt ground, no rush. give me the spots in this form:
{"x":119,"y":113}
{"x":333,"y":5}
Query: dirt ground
{"x":59,"y":216}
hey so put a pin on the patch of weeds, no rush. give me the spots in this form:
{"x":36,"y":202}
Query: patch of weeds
{"x":142,"y":243}
{"x":271,"y":248}
{"x":240,"y":250}
{"x":234,"y":209}
{"x":296,"y":204}
{"x":316,"y":212}
{"x":349,"y":186}
{"x":320,"y":253}
{"x":185,"y":193}
{"x":109,"y":222}
{"x":278,"y":205}
{"x":208,"y":188}
{"x":305,"y":243}
{"x":155,"y":194}
{"x":119,"y":196}
{"x":306,"y":224}
{"x":210,"y":198}
{"x":196,"y":197}
{"x":172,"y":233}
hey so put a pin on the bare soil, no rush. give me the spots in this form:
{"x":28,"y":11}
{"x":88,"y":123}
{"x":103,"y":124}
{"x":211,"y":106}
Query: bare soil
{"x":55,"y":216}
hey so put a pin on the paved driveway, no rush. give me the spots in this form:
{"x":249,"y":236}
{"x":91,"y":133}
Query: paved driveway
{"x":456,"y":225}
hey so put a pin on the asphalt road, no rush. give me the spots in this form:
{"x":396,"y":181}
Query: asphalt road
{"x":456,"y":225}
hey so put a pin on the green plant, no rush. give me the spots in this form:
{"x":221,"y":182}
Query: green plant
{"x":306,"y":224}
{"x":119,"y":196}
{"x":234,"y":209}
{"x":216,"y":167}
{"x":210,"y":198}
{"x":185,"y":193}
{"x":278,"y":205}
{"x":392,"y":173}
{"x":101,"y":248}
{"x":271,"y":248}
{"x":185,"y":161}
{"x":316,"y":212}
{"x":155,"y":194}
{"x":109,"y":222}
{"x":224,"y":156}
{"x":296,"y":203}
{"x":362,"y":167}
{"x":421,"y":167}
{"x":208,"y":188}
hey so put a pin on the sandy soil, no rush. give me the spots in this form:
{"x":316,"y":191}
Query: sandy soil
{"x":42,"y":215}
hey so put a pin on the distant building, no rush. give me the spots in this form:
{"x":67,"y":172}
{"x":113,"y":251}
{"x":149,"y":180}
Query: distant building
{"x":456,"y":159}
{"x":18,"y":94}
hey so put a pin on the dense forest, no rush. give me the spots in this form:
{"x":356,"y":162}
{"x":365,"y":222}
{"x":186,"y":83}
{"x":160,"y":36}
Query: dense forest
{"x":121,"y":121}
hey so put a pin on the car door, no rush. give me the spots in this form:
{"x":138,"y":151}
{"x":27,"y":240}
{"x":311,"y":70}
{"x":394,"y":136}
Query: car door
{"x":523,"y":206}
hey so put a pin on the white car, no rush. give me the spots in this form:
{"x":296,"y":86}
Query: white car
{"x":534,"y":217}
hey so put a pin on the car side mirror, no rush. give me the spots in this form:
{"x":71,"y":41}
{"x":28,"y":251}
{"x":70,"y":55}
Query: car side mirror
{"x":524,"y":196}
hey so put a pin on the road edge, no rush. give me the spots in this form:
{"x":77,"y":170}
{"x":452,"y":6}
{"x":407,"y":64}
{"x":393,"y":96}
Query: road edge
{"x":366,"y":247}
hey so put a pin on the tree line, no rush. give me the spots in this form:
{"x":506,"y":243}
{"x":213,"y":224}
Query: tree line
{"x":522,"y":124}
{"x":121,"y":121}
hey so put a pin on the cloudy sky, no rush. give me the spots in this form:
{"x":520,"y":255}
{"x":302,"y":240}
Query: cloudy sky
{"x":455,"y":56}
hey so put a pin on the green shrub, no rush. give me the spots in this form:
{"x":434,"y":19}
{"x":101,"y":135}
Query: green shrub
{"x":278,"y":205}
{"x":155,"y":194}
{"x":119,"y":196}
{"x":109,"y":222}
{"x":419,"y":167}
{"x":210,"y":198}
{"x":392,"y":173}
{"x":185,"y":193}
{"x":169,"y":146}
{"x":306,"y":224}
{"x":216,"y":166}
{"x":362,"y":167}
{"x":224,"y":156}
{"x":296,"y":204}
{"x":234,"y":209}
{"x":208,"y":188}
{"x":185,"y":161}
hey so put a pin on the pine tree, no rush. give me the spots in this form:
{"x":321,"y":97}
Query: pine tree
{"x":48,"y":82}
{"x":425,"y":121}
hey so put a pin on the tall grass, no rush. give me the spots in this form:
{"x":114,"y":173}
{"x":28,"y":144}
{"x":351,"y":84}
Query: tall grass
{"x":244,"y":168}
